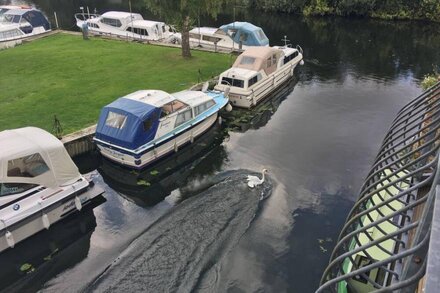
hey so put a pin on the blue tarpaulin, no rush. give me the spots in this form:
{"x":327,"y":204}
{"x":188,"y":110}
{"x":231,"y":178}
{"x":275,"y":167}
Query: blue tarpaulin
{"x":137,"y":123}
{"x":247,"y":33}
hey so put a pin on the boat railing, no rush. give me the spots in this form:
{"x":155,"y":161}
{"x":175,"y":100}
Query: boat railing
{"x":394,"y":227}
{"x":85,"y":16}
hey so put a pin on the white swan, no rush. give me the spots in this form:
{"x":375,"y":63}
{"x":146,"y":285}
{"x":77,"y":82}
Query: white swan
{"x":254,"y":180}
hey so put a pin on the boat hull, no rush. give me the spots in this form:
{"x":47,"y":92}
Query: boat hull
{"x":17,"y":232}
{"x":12,"y":42}
{"x":140,"y":161}
{"x":265,"y":88}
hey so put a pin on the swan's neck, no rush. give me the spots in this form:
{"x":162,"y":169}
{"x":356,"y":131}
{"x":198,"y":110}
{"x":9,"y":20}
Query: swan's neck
{"x":262,"y":178}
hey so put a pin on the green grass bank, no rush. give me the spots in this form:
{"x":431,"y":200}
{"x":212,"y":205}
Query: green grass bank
{"x":66,"y":76}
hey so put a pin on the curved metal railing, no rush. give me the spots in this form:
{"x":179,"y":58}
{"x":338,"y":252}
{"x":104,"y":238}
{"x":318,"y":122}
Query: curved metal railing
{"x":383,"y":244}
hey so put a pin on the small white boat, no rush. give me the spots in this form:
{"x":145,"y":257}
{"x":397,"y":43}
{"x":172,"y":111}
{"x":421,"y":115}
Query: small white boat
{"x":17,"y":24}
{"x":257,"y":72}
{"x":39,"y":184}
{"x":124,"y":24}
{"x":145,"y":126}
{"x":233,"y":36}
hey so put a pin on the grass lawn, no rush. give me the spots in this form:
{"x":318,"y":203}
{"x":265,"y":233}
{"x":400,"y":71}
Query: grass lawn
{"x":74,"y":79}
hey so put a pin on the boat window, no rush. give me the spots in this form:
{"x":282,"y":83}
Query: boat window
{"x":163,"y":29}
{"x":14,"y":188}
{"x":183,"y":117}
{"x":148,"y":124}
{"x":269,"y":62}
{"x":115,"y":120}
{"x":11,"y":18}
{"x":274,"y":59}
{"x":233,"y":82}
{"x":111,"y":21}
{"x":290,"y":57}
{"x":254,"y":80}
{"x":91,"y":24}
{"x":243,"y":37}
{"x":203,"y":107}
{"x":139,"y":31}
{"x":172,"y":107}
{"x":28,"y":166}
{"x":247,"y":60}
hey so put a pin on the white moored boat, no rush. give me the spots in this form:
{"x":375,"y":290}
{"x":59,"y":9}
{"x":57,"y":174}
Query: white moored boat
{"x":17,"y":24}
{"x":233,"y":36}
{"x":257,"y":72}
{"x":147,"y":125}
{"x":39,"y":184}
{"x":124,"y":24}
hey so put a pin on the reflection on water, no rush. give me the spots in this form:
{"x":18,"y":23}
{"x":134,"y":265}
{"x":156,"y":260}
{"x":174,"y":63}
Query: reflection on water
{"x":318,"y":141}
{"x":153,"y":184}
{"x":241,"y":120}
{"x":31,"y":263}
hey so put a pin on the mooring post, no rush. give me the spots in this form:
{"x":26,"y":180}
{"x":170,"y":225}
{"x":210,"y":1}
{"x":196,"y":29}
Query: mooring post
{"x":56,"y":19}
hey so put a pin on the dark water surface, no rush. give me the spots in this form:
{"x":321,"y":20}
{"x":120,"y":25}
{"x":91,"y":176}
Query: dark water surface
{"x":317,"y":137}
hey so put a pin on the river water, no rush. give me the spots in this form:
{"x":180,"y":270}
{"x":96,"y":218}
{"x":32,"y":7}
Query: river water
{"x":317,"y":137}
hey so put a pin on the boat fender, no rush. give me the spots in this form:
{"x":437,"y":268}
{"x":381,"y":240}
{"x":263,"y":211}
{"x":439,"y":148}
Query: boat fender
{"x":10,"y":239}
{"x":78,"y":203}
{"x":220,"y":120}
{"x":228,"y":107}
{"x":46,"y":222}
{"x":176,"y":148}
{"x":301,"y":62}
{"x":192,"y":137}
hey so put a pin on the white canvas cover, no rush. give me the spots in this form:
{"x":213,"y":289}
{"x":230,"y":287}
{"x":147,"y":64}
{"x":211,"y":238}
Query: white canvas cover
{"x":23,"y":142}
{"x":255,"y":59}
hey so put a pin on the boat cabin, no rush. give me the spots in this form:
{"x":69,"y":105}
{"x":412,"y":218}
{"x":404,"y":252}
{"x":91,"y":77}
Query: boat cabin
{"x":143,"y":116}
{"x":28,"y":19}
{"x":245,"y":33}
{"x":254,"y":64}
{"x":32,"y":159}
{"x":125,"y":23}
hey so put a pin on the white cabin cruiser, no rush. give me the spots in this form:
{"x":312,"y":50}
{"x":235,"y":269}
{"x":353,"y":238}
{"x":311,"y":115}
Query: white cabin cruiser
{"x":257,"y":72}
{"x":145,"y":126}
{"x":39,"y":184}
{"x":124,"y":24}
{"x":17,"y":24}
{"x":233,"y":36}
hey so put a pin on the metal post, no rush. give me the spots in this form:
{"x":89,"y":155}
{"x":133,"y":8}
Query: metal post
{"x":88,"y":13}
{"x":56,"y":19}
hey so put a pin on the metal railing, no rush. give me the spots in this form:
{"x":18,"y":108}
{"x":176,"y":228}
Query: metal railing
{"x":383,"y":245}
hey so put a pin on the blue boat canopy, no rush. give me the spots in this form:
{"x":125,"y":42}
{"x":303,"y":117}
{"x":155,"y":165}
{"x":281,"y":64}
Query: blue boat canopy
{"x":246,"y":33}
{"x":128,"y":123}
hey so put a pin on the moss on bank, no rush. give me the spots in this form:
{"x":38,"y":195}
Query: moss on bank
{"x":65,"y":76}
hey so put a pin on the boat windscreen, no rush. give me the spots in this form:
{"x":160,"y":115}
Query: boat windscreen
{"x":172,"y":107}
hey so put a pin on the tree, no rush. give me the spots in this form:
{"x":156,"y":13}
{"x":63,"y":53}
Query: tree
{"x":183,"y":13}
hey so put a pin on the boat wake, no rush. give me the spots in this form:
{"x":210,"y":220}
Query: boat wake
{"x":183,"y":250}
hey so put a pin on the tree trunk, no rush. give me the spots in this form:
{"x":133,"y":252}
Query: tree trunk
{"x":186,"y":52}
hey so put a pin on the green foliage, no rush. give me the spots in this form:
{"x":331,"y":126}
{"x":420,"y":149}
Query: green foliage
{"x":385,"y":9}
{"x":318,"y":7}
{"x":430,"y":80}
